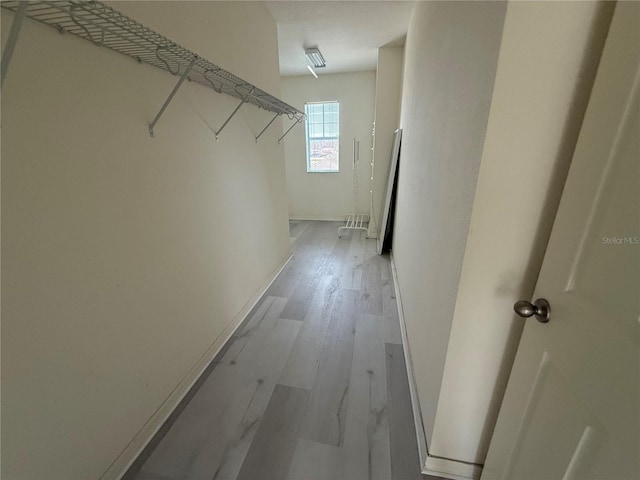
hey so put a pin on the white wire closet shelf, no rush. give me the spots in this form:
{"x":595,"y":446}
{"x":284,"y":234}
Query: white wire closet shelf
{"x":353,"y":222}
{"x":106,"y":27}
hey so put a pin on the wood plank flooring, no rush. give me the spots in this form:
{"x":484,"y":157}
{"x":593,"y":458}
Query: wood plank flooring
{"x":312,"y":386}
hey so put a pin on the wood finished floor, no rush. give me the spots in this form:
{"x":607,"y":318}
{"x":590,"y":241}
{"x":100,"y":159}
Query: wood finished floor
{"x":312,"y":386}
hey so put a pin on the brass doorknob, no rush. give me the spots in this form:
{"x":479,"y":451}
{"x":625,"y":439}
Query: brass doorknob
{"x":540,"y":308}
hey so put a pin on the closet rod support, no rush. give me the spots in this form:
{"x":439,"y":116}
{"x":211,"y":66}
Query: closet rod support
{"x":242,"y":102}
{"x":13,"y":38}
{"x":268,"y":124}
{"x":183,"y":77}
{"x":290,"y":128}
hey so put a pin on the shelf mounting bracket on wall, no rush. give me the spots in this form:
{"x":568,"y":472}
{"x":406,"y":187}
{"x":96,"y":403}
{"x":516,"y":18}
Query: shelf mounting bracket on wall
{"x":171,"y":95}
{"x":265,"y":128}
{"x":298,"y":120}
{"x":242,"y":102}
{"x":13,"y":38}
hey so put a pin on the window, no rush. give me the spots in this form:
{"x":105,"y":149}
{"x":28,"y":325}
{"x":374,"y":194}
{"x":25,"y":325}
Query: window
{"x":323,"y":129}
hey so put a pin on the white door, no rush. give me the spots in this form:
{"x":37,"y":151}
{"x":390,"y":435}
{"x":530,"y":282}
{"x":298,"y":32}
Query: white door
{"x":572,"y":405}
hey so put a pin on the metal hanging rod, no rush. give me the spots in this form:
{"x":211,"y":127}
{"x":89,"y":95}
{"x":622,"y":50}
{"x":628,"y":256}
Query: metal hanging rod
{"x":106,"y":27}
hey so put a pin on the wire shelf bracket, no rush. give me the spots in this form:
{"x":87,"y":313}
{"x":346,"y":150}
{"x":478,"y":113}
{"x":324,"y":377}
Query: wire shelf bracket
{"x":105,"y":27}
{"x":16,"y":26}
{"x":268,"y":125}
{"x":242,"y":102}
{"x":170,"y":97}
{"x":298,"y":120}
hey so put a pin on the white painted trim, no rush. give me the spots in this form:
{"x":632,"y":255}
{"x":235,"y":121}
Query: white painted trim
{"x":415,"y":403}
{"x":446,"y":468}
{"x":321,"y":219}
{"x":137,"y":444}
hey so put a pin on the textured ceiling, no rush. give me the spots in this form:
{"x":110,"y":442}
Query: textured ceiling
{"x":348,"y":33}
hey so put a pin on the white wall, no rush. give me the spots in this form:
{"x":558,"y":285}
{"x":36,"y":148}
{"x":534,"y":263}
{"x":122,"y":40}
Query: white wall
{"x":547,"y":63}
{"x":330,"y":195}
{"x":387,"y":118}
{"x":451,"y":54}
{"x":126,"y":259}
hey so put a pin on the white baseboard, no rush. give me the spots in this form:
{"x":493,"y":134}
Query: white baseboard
{"x":430,"y":465}
{"x":321,"y":219}
{"x":415,"y":403}
{"x":126,"y":458}
{"x":453,"y":469}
